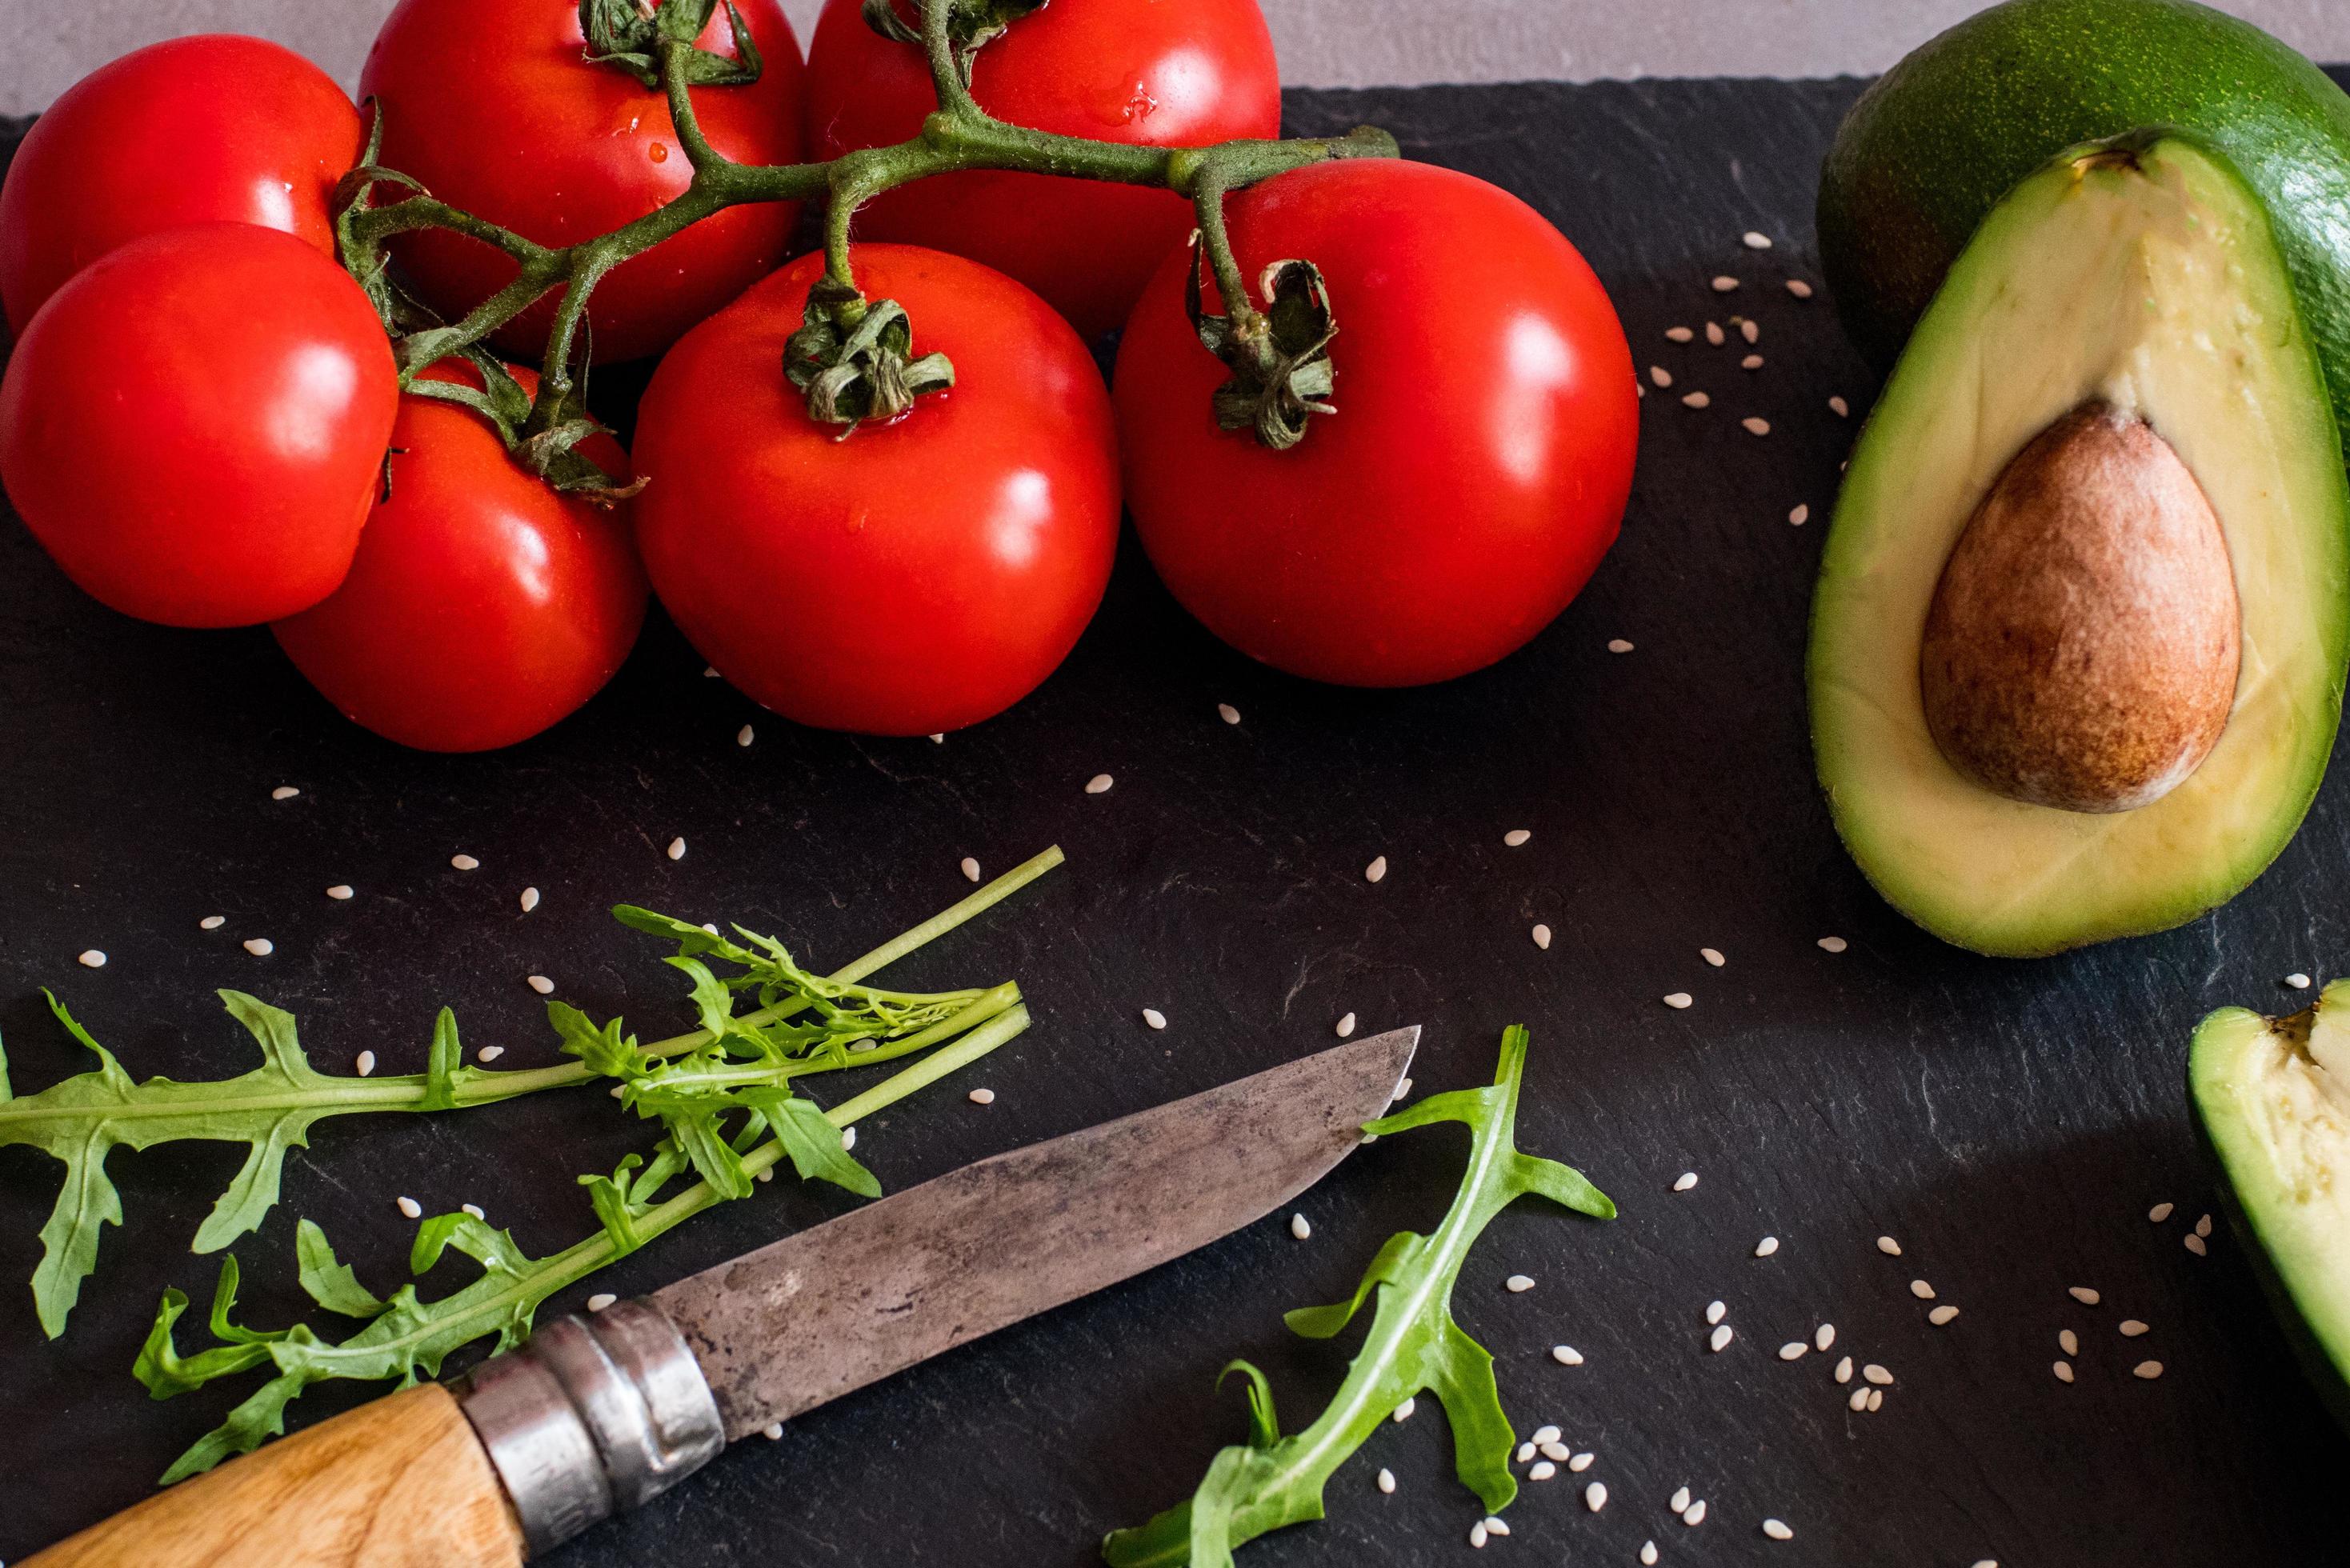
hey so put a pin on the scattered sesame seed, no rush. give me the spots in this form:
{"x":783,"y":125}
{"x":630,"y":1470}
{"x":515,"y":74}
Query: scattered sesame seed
{"x":1154,"y":1018}
{"x":1402,"y":1088}
{"x":1619,"y":644}
{"x":1518,"y":1284}
{"x":1799,"y":288}
{"x":847,"y":1139}
{"x":1545,"y":1434}
{"x":1714,"y":333}
{"x":1844,"y":1370}
{"x":773,"y":1431}
{"x":1542,"y":936}
{"x":1525,"y":1451}
{"x":260,"y":947}
{"x":1477,"y":1534}
{"x":1377,"y":870}
{"x":743,"y":737}
{"x":1581,"y":1462}
{"x":363,"y":1064}
{"x":339,"y":891}
{"x":1755,"y":426}
{"x":1346,"y":1026}
{"x":212,"y":922}
{"x":540,"y":984}
{"x":1766,"y":1246}
{"x":1660,"y":376}
{"x":2159,"y":1212}
{"x":1756,"y":242}
{"x":2195,"y":1244}
{"x":1679,"y":334}
{"x":1594,"y":1496}
{"x":1403,"y":1411}
{"x":1543,"y":1470}
{"x":1712,"y":956}
{"x":284,"y":792}
{"x":1677,"y":998}
{"x":2203,"y":1226}
{"x":939,"y":740}
{"x":1800,"y":515}
{"x":2083,"y":1294}
{"x":1876,"y":1374}
{"x":1833,"y":944}
{"x":411,"y":1209}
{"x":2064,"y":1371}
{"x":464,"y":863}
{"x":1794,"y":1350}
{"x":1721,"y":1338}
{"x":1696,"y":400}
{"x":1840,"y":407}
{"x":1725,"y":284}
{"x":1516,"y":836}
{"x":1300,"y":1227}
{"x":488,"y":1054}
{"x":2132,"y":1328}
{"x":2298,"y":980}
{"x":1941,"y":1315}
{"x":475,"y":1210}
{"x":1680,"y":1499}
{"x":1098,"y":784}
{"x":677,"y":849}
{"x":1751,"y":362}
{"x":1716,"y":1311}
{"x":2149,"y":1370}
{"x":2068,"y":1342}
{"x":1496,"y":1525}
{"x":710,"y":672}
{"x":766,"y":1173}
{"x":982,"y":1097}
{"x":90,"y":958}
{"x":1921,"y":1290}
{"x":1988,"y":1563}
{"x":1824,"y":1336}
{"x":1684,"y":1181}
{"x":1649,"y":1555}
{"x":529,"y":899}
{"x":1694,"y":1514}
{"x":1387,"y":1481}
{"x":1777,"y":1531}
{"x":1566,"y":1356}
{"x":1859,"y":1400}
{"x":1888,"y":1246}
{"x":1228,"y":713}
{"x":601,"y":1300}
{"x":1875,"y":1400}
{"x":969,"y":868}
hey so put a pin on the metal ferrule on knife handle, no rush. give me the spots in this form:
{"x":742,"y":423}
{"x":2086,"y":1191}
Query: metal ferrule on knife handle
{"x":594,"y":1415}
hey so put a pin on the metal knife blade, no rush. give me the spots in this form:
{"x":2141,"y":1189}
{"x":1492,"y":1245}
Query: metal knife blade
{"x":785,"y":1328}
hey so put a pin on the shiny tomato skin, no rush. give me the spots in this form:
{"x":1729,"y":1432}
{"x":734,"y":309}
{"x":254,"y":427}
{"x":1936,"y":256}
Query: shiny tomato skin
{"x":491,"y":104}
{"x":1473,"y":474}
{"x":482,"y":606}
{"x":1134,"y":71}
{"x":195,"y":425}
{"x":917,"y":576}
{"x":217,"y":128}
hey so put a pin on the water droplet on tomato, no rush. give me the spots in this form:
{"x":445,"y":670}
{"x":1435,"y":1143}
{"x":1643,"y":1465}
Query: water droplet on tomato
{"x":660,"y":152}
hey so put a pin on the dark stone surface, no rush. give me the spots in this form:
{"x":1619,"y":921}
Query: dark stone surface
{"x":2010,"y":1123}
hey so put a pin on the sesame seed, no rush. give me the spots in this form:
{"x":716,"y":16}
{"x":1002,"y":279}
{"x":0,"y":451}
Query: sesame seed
{"x":488,"y":1054}
{"x":1346,"y":1026}
{"x":90,"y":958}
{"x":260,"y":947}
{"x":969,"y":869}
{"x":1714,"y":333}
{"x":847,"y":1139}
{"x":1403,"y":1411}
{"x":982,"y":1097}
{"x":1542,"y":936}
{"x":284,"y":792}
{"x":1755,"y":426}
{"x":1756,"y":242}
{"x":1677,"y":998}
{"x":1402,"y":1088}
{"x":1098,"y":784}
{"x":411,"y":1209}
{"x":1844,"y":1370}
{"x":2203,"y":1226}
{"x":1299,"y":1227}
{"x":1660,"y":376}
{"x":1543,"y":1470}
{"x":2068,"y":1342}
{"x":1888,"y":1246}
{"x":1859,"y":1400}
{"x":710,"y":672}
{"x":2298,"y":980}
{"x":1716,"y":1311}
{"x":1777,"y":1531}
{"x":1228,"y":713}
{"x":1721,"y":1338}
{"x":601,"y":1300}
{"x":1649,"y":1555}
{"x":475,"y":1210}
{"x":1516,"y":836}
{"x":363,"y":1064}
{"x":464,"y":863}
{"x":1751,"y":362}
{"x":1545,"y":1434}
{"x":1566,"y":1356}
{"x":1941,"y":1315}
{"x":2149,"y":1370}
{"x":1875,"y":1374}
{"x":1840,"y":407}
{"x":1921,"y":1290}
{"x":1387,"y":1481}
{"x":1684,"y":1181}
{"x":1581,"y":1462}
{"x":1696,"y":400}
{"x":1794,"y":1350}
{"x":1712,"y":956}
{"x":743,"y":737}
{"x":1154,"y":1018}
{"x":2132,"y":1328}
{"x":1525,"y":1451}
{"x":1824,"y":1336}
{"x":2064,"y":1371}
{"x":1766,"y":1246}
{"x":939,"y":740}
{"x":1680,"y":1499}
{"x":1833,"y":944}
{"x":1495,"y":1525}
{"x":2195,"y":1244}
{"x":1875,"y":1400}
{"x":1619,"y":645}
{"x":2083,"y":1294}
{"x":1594,"y":1496}
{"x":1800,"y":515}
{"x":1679,"y":334}
{"x":212,"y":922}
{"x":773,"y":1431}
{"x":1477,"y":1534}
{"x":1377,"y":870}
{"x":529,"y":899}
{"x":766,"y":1173}
{"x":1518,"y":1284}
{"x":2159,"y":1212}
{"x":1725,"y":284}
{"x":677,"y":849}
{"x":1694,"y":1514}
{"x":1799,"y":288}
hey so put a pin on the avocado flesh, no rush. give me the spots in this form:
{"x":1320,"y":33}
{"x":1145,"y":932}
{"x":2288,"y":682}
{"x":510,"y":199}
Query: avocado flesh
{"x":2272,"y":1099}
{"x":2144,"y":276}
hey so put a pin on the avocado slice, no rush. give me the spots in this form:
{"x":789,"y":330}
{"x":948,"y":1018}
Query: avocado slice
{"x":2139,"y":274}
{"x":1934,"y":144}
{"x":2271,"y":1098}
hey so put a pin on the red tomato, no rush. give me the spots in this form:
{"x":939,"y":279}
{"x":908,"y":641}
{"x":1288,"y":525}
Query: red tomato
{"x":1476,"y":469}
{"x":195,"y":425}
{"x":492,"y":104}
{"x":917,"y":576}
{"x":1138,"y":71}
{"x":482,"y":606}
{"x":214,"y":129}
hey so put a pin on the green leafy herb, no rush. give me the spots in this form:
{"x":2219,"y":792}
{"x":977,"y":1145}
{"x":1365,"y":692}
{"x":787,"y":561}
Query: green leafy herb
{"x":1414,"y":1346}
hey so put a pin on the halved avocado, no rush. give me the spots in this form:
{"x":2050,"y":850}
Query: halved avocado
{"x":2272,"y":1097}
{"x":2134,"y":280}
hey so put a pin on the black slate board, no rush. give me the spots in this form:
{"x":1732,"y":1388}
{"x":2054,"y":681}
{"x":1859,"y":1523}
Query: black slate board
{"x":2010,"y":1123}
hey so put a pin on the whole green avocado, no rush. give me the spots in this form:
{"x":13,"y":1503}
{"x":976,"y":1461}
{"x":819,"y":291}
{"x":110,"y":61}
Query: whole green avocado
{"x":1932,"y":146}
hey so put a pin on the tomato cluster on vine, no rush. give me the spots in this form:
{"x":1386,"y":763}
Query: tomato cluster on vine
{"x":1394,"y":468}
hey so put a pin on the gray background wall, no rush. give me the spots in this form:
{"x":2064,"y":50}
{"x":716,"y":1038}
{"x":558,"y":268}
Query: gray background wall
{"x":1323,"y":42}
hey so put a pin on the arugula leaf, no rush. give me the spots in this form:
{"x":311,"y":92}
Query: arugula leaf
{"x":1414,"y":1346}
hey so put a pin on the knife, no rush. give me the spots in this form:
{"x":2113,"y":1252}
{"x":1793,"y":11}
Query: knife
{"x":601,"y":1412}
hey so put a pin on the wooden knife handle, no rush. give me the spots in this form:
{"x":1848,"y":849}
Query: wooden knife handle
{"x":399,"y":1482}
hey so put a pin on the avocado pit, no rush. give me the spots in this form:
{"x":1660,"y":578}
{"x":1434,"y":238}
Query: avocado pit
{"x":2081,"y":645}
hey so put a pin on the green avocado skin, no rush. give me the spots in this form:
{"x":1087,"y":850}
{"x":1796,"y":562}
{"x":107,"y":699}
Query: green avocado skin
{"x":1932,"y":146}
